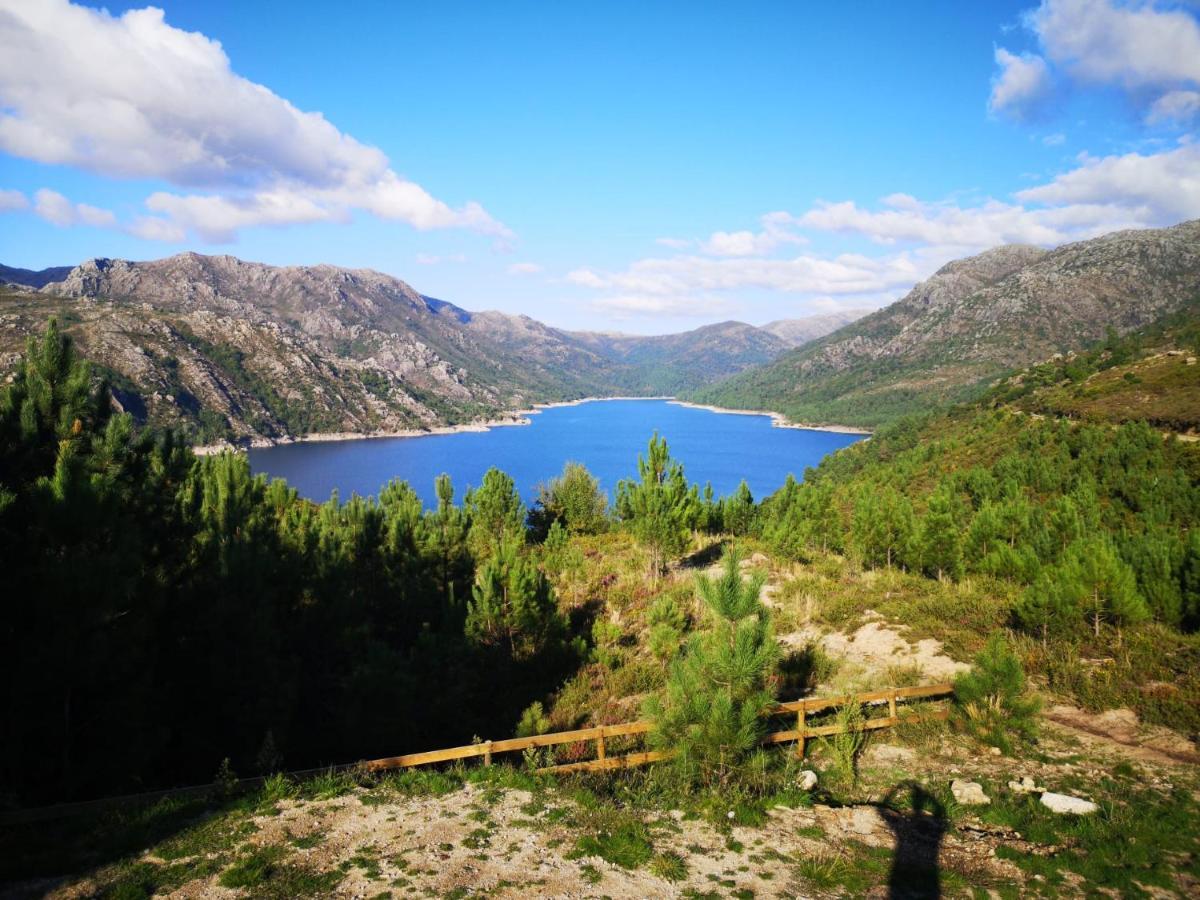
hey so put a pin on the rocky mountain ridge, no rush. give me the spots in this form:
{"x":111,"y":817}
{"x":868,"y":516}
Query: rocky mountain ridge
{"x":231,"y":349}
{"x":973,"y":320}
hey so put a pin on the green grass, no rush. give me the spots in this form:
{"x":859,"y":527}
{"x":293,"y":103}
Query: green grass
{"x":266,"y":872}
{"x":1139,"y":837}
{"x":627,"y":845}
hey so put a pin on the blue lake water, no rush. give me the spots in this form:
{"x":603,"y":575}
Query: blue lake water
{"x":606,"y":436}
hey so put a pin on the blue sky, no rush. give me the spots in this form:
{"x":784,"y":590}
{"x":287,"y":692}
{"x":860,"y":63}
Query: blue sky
{"x":639,"y":167}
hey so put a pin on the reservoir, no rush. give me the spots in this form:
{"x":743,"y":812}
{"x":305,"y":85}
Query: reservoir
{"x":605,"y":435}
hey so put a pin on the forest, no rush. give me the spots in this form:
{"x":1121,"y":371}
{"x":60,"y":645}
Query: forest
{"x":167,"y":612}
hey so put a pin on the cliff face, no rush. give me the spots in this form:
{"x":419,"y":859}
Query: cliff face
{"x":973,"y":319}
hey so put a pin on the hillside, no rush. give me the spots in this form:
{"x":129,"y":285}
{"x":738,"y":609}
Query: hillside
{"x":972,"y":321}
{"x":235,"y":350}
{"x":899,"y":561}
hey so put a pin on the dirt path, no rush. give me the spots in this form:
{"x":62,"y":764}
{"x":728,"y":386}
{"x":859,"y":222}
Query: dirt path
{"x":1120,"y":731}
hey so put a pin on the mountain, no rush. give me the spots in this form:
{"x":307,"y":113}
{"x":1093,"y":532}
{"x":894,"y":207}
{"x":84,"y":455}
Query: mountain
{"x":31,"y":278}
{"x":229,"y":349}
{"x":233,"y":349}
{"x":797,"y":332}
{"x":972,"y":321}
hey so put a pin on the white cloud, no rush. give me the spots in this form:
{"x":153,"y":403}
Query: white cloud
{"x":1156,"y":189}
{"x":1149,"y":51}
{"x":525,"y":268}
{"x":12,"y":201}
{"x":147,"y":100}
{"x":1174,"y":107}
{"x":1135,"y":45}
{"x":775,"y":233}
{"x":585,"y":278}
{"x":1022,"y":85}
{"x":1054,"y":140}
{"x":1096,"y":197}
{"x":58,"y":210}
{"x":684,"y":276}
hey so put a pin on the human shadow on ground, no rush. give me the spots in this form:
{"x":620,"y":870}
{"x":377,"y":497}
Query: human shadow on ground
{"x":919,"y":822}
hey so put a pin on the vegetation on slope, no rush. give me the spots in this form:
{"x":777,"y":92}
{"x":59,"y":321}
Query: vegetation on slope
{"x":221,"y":615}
{"x":971,"y":322}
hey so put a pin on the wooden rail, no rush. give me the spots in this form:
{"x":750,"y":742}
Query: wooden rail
{"x":601,"y":733}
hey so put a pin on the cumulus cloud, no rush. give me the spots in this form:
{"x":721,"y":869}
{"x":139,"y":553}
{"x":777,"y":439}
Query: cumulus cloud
{"x":1154,"y":189}
{"x":524,"y":268}
{"x":1022,"y":86}
{"x":774,"y":234}
{"x":1146,"y":49}
{"x":1132,"y":45}
{"x":12,"y":201}
{"x":1097,"y":196}
{"x":147,"y":100}
{"x":1174,"y":107}
{"x":58,"y":210}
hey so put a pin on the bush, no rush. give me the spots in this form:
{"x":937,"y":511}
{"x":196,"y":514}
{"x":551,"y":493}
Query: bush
{"x":992,"y":699}
{"x":710,"y":715}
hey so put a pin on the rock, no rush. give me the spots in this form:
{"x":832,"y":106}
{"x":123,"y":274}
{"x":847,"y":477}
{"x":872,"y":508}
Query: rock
{"x":889,"y":753}
{"x":1065,"y":803}
{"x":969,"y":793}
{"x":806,"y":780}
{"x":1025,"y":786}
{"x":995,"y":751}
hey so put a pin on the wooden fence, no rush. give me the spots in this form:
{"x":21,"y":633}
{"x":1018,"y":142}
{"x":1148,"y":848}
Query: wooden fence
{"x":801,"y":709}
{"x":600,"y":734}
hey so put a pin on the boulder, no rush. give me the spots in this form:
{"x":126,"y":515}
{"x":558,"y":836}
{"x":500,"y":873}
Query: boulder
{"x":806,"y":780}
{"x":1065,"y":803}
{"x":969,"y":793}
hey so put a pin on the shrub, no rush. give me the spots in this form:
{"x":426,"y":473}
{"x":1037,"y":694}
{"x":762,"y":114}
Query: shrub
{"x":992,"y":699}
{"x":847,"y":745}
{"x":710,"y":714}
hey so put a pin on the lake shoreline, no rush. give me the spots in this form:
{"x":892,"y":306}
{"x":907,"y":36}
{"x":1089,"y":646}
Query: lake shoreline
{"x":517,"y":417}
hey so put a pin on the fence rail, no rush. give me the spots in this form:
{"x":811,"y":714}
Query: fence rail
{"x":598,"y":734}
{"x":601,"y":733}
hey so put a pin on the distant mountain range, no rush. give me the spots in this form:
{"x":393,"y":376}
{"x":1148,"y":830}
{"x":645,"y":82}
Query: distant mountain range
{"x":972,"y":321}
{"x":229,"y":349}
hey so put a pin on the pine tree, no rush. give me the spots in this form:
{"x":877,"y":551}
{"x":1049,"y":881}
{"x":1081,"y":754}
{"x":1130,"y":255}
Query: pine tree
{"x":1053,"y":603}
{"x":883,"y":526}
{"x":710,"y":713}
{"x":738,"y":512}
{"x":574,"y":500}
{"x":512,"y":604}
{"x":1108,"y":584}
{"x":496,"y":513}
{"x":658,"y":507}
{"x":941,"y":544}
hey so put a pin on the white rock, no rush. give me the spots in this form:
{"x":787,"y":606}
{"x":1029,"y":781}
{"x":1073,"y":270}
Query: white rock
{"x":1065,"y":803}
{"x":1025,"y":786}
{"x":806,"y":780}
{"x":969,"y":793}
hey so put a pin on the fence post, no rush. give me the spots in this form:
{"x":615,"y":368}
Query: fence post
{"x":487,"y":753}
{"x":892,"y":707}
{"x":600,"y":745}
{"x":800,"y":729}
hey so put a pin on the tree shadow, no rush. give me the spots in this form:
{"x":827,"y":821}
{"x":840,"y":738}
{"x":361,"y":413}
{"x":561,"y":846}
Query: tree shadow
{"x":705,"y":557}
{"x":919,"y":830}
